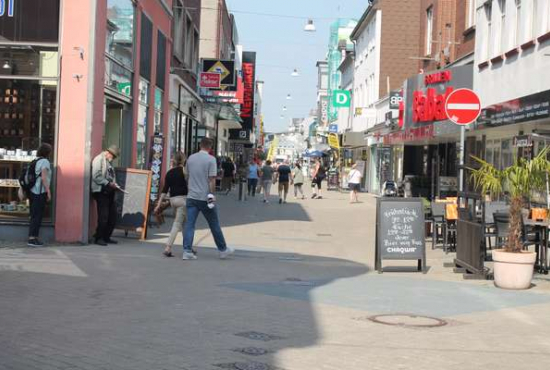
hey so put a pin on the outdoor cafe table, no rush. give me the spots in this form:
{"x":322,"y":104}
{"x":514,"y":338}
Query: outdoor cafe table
{"x":542,"y":256}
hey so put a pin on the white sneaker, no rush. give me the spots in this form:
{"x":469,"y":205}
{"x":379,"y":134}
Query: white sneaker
{"x":188,"y":256}
{"x":226,"y":253}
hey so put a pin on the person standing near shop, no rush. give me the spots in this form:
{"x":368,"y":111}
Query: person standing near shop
{"x":40,"y":193}
{"x":283,"y":177}
{"x":318,"y":175}
{"x":267,"y":179}
{"x":252,"y":177}
{"x":103,"y":189}
{"x":229,"y":170}
{"x":175,"y":184}
{"x":354,"y":183}
{"x":201,"y":170}
{"x":298,"y":180}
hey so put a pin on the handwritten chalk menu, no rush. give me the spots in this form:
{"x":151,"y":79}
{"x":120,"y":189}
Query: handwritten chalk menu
{"x":400,"y":231}
{"x":155,"y":164}
{"x":133,"y":205}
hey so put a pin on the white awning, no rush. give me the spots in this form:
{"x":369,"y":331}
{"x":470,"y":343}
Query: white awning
{"x":228,"y":124}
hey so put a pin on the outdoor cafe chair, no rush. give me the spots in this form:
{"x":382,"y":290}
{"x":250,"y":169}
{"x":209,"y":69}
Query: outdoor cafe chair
{"x":502,"y":228}
{"x":451,"y":215}
{"x":438,"y":222}
{"x":490,"y":229}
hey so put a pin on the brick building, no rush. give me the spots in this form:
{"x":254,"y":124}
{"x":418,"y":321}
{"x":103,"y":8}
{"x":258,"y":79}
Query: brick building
{"x":447,"y":33}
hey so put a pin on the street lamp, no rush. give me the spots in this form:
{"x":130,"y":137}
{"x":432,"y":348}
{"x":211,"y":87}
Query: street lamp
{"x":310,"y":27}
{"x":284,"y":108}
{"x":295,"y":73}
{"x":288,"y":97}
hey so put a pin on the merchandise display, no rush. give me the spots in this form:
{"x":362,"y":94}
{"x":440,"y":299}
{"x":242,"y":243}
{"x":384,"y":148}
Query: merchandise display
{"x":27,"y":119}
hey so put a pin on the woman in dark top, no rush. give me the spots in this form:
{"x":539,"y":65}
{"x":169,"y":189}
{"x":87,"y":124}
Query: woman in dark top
{"x":175,"y":183}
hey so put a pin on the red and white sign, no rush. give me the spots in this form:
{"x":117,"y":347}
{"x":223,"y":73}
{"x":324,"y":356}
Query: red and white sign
{"x":210,"y":80}
{"x":463,"y":106}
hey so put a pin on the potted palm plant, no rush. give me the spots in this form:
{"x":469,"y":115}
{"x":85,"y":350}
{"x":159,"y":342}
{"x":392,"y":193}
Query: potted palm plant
{"x":513,"y":266}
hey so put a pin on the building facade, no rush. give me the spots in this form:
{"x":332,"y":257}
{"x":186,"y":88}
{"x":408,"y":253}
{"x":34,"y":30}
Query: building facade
{"x":110,"y":87}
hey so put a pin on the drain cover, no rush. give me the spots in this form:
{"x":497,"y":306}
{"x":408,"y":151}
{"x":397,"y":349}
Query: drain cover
{"x":254,"y":335}
{"x":324,"y":234}
{"x":297,"y":281}
{"x":252,"y":351}
{"x":291,"y":258}
{"x":407,"y":320}
{"x":247,"y":366}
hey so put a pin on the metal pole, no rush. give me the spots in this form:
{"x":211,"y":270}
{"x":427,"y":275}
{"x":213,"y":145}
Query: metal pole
{"x":461,"y":158}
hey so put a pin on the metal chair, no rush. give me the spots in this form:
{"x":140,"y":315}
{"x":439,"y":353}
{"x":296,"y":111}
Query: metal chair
{"x":438,"y":222}
{"x":502,"y":227}
{"x":490,"y":209}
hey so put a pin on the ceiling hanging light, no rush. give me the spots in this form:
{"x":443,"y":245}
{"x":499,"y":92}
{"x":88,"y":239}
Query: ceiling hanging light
{"x":284,"y":108}
{"x":310,"y":27}
{"x":6,"y":65}
{"x":288,"y":97}
{"x":295,"y":73}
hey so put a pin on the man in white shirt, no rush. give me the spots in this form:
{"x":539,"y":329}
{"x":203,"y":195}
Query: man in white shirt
{"x":202,"y":171}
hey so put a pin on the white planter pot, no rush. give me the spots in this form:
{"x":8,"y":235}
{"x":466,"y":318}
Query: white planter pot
{"x":513,"y":270}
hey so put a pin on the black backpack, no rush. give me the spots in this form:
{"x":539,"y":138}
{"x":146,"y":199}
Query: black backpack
{"x":28,"y":177}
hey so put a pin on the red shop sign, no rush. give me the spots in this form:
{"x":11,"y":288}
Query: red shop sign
{"x":210,"y":80}
{"x":429,"y":106}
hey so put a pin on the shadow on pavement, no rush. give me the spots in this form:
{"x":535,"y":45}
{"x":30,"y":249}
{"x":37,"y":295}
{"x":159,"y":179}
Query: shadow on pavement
{"x":135,"y":309}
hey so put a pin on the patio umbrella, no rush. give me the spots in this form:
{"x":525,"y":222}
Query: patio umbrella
{"x":314,"y":153}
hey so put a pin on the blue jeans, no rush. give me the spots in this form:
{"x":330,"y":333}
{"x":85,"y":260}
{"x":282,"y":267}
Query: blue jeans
{"x":193,"y":208}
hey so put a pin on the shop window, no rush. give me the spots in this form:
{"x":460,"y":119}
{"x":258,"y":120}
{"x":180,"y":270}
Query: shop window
{"x":189,"y":43}
{"x":470,"y":13}
{"x":501,"y":42}
{"x":27,"y":60}
{"x":29,"y":21}
{"x":159,"y":96}
{"x":146,"y":47}
{"x":27,"y":119}
{"x":142,"y":119}
{"x":118,"y":78}
{"x":517,"y":26}
{"x":120,"y":31}
{"x":507,"y":153}
{"x":489,"y":152}
{"x":489,"y":17}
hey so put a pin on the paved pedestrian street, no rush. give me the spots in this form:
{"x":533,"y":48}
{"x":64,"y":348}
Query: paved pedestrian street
{"x":299,"y":294}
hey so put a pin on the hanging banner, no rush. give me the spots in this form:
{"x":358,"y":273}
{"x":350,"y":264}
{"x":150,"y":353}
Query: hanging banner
{"x":155,"y":164}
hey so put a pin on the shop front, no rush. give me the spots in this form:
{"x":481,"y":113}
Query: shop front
{"x":29,"y":80}
{"x":429,"y":140}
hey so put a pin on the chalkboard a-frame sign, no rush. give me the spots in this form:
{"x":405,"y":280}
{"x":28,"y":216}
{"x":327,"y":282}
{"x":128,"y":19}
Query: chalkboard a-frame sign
{"x":400,"y":231}
{"x":133,"y":206}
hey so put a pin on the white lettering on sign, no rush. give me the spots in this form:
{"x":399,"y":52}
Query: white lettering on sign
{"x":10,"y":4}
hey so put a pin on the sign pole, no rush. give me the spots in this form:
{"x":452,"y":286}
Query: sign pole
{"x":461,"y":158}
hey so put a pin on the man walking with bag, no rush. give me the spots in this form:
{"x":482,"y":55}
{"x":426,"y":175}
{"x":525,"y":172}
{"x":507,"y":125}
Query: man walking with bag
{"x":103,"y":189}
{"x":202,"y":171}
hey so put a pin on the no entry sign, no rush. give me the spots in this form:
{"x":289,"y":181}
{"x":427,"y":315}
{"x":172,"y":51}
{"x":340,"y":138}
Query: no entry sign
{"x":463,"y":106}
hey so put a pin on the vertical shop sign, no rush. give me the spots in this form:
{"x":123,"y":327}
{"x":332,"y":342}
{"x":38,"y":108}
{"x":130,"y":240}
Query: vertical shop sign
{"x":9,"y":4}
{"x":155,"y":164}
{"x":247,"y":106}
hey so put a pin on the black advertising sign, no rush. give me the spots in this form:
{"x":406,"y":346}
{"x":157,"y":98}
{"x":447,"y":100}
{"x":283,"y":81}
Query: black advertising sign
{"x":155,"y":164}
{"x":400,"y":231}
{"x":226,"y":69}
{"x":528,"y":108}
{"x":396,"y":97}
{"x":29,"y":20}
{"x":247,"y":106}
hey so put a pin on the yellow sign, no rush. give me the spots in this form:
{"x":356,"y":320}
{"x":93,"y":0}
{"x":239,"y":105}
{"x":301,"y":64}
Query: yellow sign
{"x":272,"y":148}
{"x":333,"y":141}
{"x":219,"y":68}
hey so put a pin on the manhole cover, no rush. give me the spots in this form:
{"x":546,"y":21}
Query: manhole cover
{"x":254,"y":335}
{"x":252,"y":351}
{"x":247,"y":366}
{"x":324,"y":234}
{"x":407,"y":320}
{"x":291,"y":258}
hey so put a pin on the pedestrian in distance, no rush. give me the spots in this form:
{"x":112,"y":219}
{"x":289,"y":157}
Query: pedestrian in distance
{"x":229,"y":170}
{"x":40,"y":193}
{"x":201,"y":171}
{"x":284,"y":174}
{"x":253,"y":176}
{"x":318,"y":175}
{"x":175,"y":184}
{"x":103,"y":189}
{"x":267,"y":179}
{"x":298,"y":180}
{"x":354,"y":183}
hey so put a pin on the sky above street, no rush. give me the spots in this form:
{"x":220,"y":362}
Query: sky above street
{"x":282,"y":45}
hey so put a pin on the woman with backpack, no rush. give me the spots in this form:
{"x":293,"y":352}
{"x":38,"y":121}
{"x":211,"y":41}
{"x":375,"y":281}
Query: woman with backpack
{"x":39,"y":193}
{"x":175,"y":184}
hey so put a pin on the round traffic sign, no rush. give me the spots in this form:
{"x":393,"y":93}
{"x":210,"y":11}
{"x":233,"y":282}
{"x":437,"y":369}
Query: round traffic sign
{"x":463,"y":106}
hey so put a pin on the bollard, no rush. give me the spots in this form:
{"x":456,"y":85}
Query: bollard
{"x":241,"y":190}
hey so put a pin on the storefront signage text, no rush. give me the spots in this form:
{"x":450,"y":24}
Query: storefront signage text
{"x":435,"y":78}
{"x":410,"y":134}
{"x":429,"y":106}
{"x":248,"y":100}
{"x":10,"y":6}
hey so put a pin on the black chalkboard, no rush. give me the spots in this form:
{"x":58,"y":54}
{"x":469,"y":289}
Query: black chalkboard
{"x":133,"y":205}
{"x":400,"y":231}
